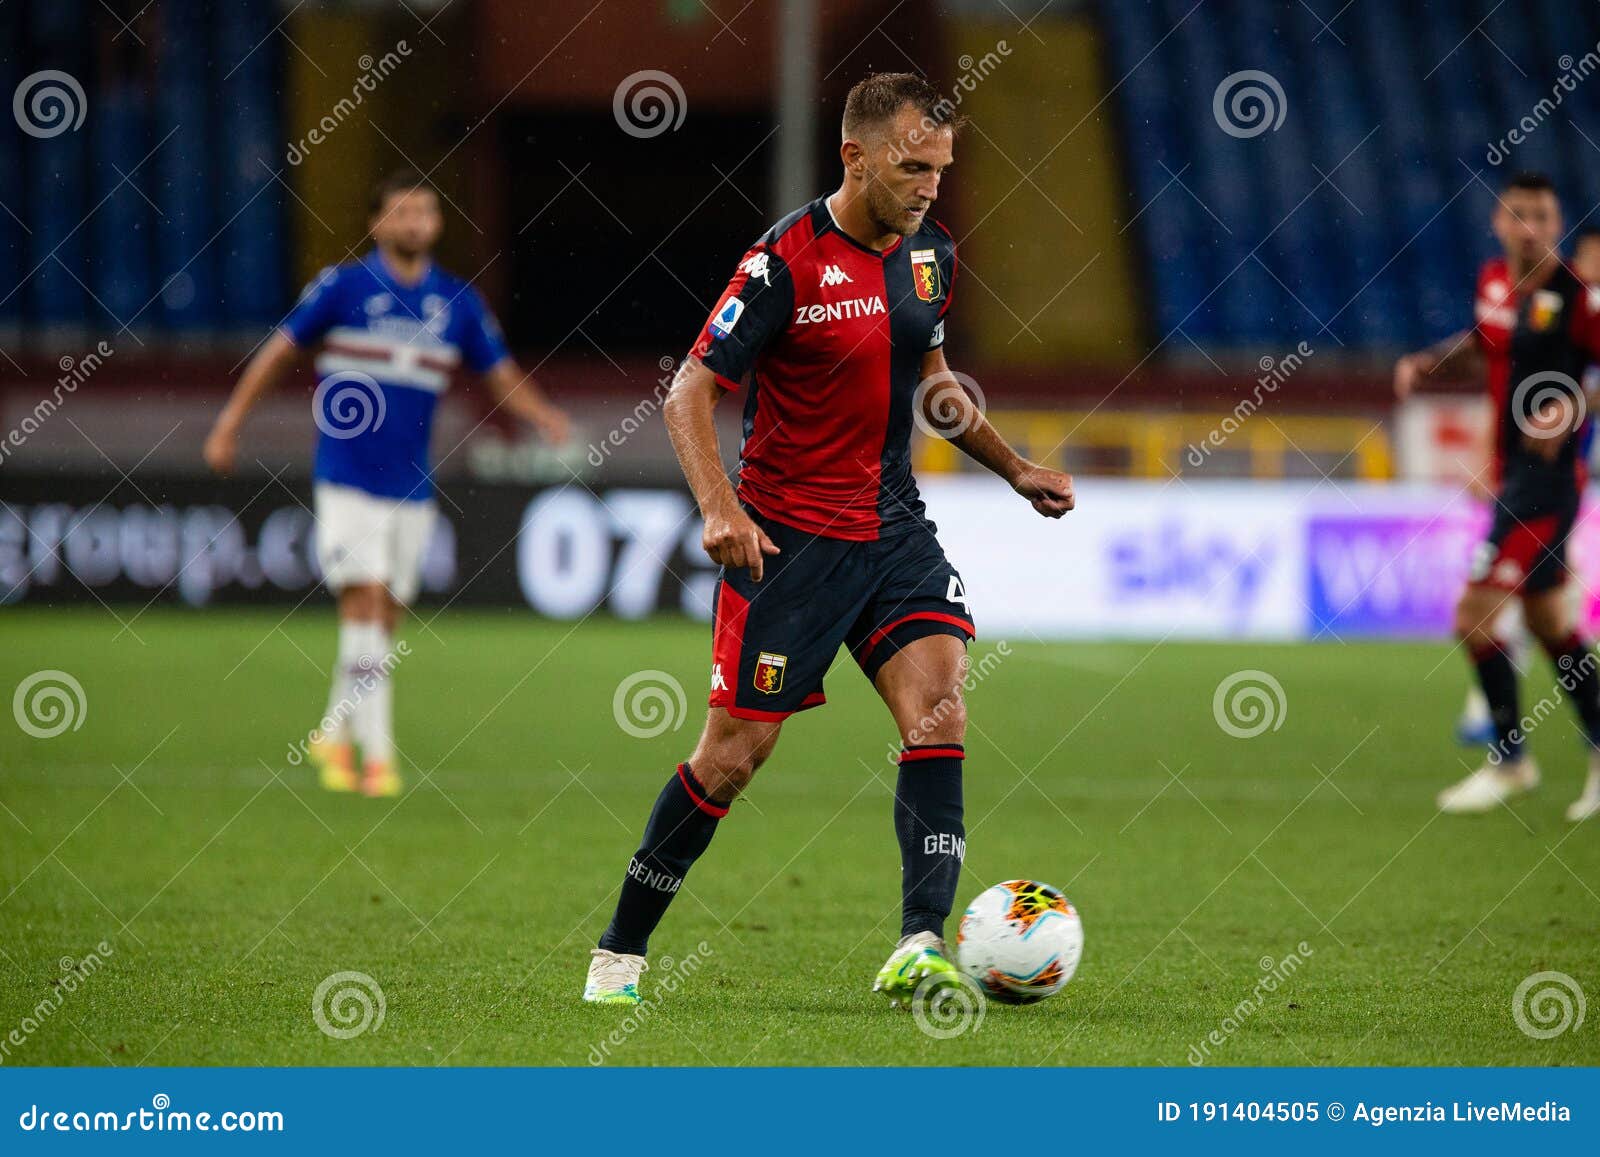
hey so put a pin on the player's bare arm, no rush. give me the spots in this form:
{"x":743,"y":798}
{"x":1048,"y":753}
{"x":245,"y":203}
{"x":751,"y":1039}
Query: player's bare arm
{"x":731,"y":538}
{"x":950,"y":408}
{"x":519,"y":393}
{"x":271,"y":362}
{"x":1455,"y":358}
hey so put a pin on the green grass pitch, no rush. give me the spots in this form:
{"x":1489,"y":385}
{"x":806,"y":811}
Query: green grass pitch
{"x":171,"y":826}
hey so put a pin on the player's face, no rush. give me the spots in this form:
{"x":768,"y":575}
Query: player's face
{"x":1586,"y":261}
{"x":1527,"y":223}
{"x":409,"y":222}
{"x":903,"y":171}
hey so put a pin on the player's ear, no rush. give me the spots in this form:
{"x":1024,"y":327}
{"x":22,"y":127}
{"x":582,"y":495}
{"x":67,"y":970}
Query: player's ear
{"x":854,"y":156}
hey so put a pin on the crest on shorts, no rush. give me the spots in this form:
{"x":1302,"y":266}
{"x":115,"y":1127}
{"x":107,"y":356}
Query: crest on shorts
{"x":925,"y":274}
{"x":769,"y":672}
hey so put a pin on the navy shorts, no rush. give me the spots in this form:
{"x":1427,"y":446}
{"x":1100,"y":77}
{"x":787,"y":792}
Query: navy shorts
{"x":1525,"y":552}
{"x":774,"y":640}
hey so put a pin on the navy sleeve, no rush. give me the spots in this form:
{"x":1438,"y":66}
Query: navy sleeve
{"x":752,"y":310}
{"x":483,"y":345}
{"x":316,"y":311}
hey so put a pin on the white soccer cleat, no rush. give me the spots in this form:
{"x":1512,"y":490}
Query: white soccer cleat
{"x":1587,"y":804}
{"x":1489,"y":787}
{"x":613,"y":977}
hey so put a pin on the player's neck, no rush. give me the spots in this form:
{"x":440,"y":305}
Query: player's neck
{"x":1532,"y":275}
{"x":406,"y":268}
{"x":850,"y":214}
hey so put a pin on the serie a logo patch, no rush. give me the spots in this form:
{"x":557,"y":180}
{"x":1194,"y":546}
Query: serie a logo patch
{"x":769,"y":672}
{"x":925,"y":274}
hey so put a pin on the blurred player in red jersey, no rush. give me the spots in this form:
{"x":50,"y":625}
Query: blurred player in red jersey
{"x":837,"y":315}
{"x":1537,"y":329}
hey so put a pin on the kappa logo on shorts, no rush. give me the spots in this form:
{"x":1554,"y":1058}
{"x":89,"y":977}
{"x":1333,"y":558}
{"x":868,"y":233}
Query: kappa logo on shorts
{"x":769,"y":672}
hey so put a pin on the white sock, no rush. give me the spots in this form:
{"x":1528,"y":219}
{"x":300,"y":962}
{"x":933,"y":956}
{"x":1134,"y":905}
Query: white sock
{"x":335,"y":726}
{"x":374,"y":714}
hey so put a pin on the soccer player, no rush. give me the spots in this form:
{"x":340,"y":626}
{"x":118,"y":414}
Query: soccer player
{"x":392,"y":328}
{"x":1537,"y":331}
{"x":838,"y":315}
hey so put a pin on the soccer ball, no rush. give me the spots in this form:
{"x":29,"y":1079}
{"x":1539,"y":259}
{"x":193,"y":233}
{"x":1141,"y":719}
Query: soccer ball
{"x":1020,"y":941}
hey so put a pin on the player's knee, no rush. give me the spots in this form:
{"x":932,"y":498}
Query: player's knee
{"x":940,"y":718}
{"x":726,"y":776}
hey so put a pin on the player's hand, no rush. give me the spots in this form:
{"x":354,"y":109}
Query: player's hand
{"x":222,"y":447}
{"x":1407,"y":371}
{"x":732,"y":539}
{"x":1545,"y":430}
{"x":553,"y":424}
{"x":1050,"y":491}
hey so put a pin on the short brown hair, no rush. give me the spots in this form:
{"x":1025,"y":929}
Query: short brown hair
{"x":399,"y":181}
{"x":877,"y":99}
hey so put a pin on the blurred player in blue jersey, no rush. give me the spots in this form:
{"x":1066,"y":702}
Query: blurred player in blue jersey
{"x":392,"y":328}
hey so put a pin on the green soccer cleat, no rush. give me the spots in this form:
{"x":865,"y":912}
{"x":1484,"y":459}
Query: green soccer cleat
{"x":613,"y":977}
{"x":917,"y":959}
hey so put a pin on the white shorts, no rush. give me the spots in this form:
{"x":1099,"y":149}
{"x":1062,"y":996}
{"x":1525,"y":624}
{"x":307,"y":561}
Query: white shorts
{"x":362,"y":538}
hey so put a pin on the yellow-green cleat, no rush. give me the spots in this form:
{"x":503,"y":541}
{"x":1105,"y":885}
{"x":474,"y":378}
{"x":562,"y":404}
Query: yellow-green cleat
{"x":613,"y":977}
{"x":916,"y":959}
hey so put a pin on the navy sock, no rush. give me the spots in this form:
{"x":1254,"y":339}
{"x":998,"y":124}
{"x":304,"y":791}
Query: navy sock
{"x":679,"y":830}
{"x":1576,"y":669}
{"x":933,"y":842}
{"x":1498,"y":678}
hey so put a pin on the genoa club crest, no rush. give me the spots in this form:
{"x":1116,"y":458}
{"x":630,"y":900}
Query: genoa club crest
{"x":1544,"y":309}
{"x":769,"y":672}
{"x":925,"y":274}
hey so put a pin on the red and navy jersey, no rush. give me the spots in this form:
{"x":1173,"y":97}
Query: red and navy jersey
{"x":832,"y":335}
{"x":1536,"y":340}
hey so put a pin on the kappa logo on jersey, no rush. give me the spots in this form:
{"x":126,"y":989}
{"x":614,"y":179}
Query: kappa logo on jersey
{"x":925,"y":274}
{"x":377,"y":304}
{"x":834,"y":310}
{"x":727,"y":317}
{"x":756,"y":265}
{"x":718,"y":683}
{"x":833,"y":275}
{"x":769,"y":672}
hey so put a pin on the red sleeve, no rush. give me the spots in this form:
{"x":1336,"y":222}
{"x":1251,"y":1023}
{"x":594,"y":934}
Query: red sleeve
{"x":1586,"y":323}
